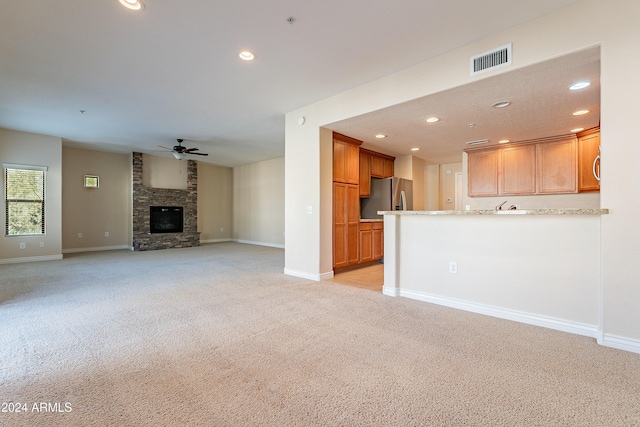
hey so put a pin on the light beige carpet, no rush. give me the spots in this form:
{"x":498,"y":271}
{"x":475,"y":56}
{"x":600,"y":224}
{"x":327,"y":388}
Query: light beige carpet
{"x":218,"y":336}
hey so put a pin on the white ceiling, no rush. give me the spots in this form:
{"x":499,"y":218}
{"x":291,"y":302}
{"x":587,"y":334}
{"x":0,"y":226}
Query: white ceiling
{"x":541,"y":106}
{"x":172,"y":70}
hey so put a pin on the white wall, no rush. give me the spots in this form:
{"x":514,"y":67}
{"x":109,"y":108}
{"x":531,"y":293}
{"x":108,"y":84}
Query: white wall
{"x":533,"y":268}
{"x":215,"y":202}
{"x":33,"y":149}
{"x":258,"y":203}
{"x":613,"y":25}
{"x":94,"y":211}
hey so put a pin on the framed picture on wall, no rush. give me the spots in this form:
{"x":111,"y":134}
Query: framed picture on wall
{"x":91,"y":181}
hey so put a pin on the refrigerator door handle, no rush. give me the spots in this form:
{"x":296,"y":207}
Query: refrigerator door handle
{"x":403,"y":201}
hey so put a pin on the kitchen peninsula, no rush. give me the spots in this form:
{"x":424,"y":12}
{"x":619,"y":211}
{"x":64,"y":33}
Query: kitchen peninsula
{"x":538,"y":266}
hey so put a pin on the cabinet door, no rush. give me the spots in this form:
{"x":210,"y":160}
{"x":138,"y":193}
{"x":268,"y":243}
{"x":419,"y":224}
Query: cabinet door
{"x":365,"y":175}
{"x":588,"y":151}
{"x":482,"y":172}
{"x":377,"y":167}
{"x":518,"y":175}
{"x":388,"y":168}
{"x":365,"y":242}
{"x":339,"y":161}
{"x":557,"y":167}
{"x":352,"y":164}
{"x":353,"y":224}
{"x":339,"y":225}
{"x":378,"y":240}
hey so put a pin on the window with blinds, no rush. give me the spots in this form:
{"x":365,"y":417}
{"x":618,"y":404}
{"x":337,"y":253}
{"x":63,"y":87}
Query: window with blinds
{"x":24,"y":201}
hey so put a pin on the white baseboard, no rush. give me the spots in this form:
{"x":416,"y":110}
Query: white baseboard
{"x":503,"y":313}
{"x":250,"y":242}
{"x":620,"y":343}
{"x":96,"y":249}
{"x":215,"y":240}
{"x":391,"y":292}
{"x":310,"y":276}
{"x":31,"y":259}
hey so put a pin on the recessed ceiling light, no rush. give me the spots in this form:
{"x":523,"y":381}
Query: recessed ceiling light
{"x":576,"y":130}
{"x":433,"y":120}
{"x":501,"y":104}
{"x":132,"y":4}
{"x":381,"y":136}
{"x":246,"y":55}
{"x":504,"y":141}
{"x":580,"y":112}
{"x":415,"y":149}
{"x":579,"y":85}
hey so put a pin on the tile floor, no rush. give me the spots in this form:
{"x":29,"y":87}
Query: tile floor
{"x":369,"y":277}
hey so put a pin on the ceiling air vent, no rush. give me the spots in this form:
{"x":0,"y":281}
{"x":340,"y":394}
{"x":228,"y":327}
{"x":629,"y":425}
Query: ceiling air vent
{"x":490,"y":60}
{"x":477,"y":142}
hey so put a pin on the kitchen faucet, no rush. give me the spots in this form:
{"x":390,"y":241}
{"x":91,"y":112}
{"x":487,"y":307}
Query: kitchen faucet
{"x":499,"y":207}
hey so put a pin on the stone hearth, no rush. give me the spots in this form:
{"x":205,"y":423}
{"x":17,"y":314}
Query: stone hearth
{"x":145,"y":197}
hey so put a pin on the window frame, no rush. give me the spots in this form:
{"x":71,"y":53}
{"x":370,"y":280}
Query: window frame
{"x":43,"y":169}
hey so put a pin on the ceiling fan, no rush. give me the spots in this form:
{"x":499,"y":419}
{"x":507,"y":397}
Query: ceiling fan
{"x":180,"y":152}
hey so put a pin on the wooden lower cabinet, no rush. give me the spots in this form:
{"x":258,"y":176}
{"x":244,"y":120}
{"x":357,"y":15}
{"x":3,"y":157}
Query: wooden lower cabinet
{"x":371,"y":241}
{"x":377,"y":240}
{"x":346,"y":224}
{"x":366,"y":242}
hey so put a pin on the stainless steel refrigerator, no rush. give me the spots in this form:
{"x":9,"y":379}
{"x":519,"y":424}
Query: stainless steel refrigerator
{"x":387,"y":194}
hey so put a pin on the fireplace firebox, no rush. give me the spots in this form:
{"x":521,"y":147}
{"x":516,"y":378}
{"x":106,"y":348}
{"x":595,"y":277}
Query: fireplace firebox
{"x":166,"y":219}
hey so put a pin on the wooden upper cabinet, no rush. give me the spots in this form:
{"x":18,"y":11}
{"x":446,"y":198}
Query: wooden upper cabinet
{"x":365,"y":174}
{"x":483,"y":168}
{"x":388,"y":168}
{"x":557,"y":167}
{"x":589,"y":160}
{"x":381,"y":165}
{"x":377,"y":166}
{"x":518,"y":170}
{"x":346,"y":159}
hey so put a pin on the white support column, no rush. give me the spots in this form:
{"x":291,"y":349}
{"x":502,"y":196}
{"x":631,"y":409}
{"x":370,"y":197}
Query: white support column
{"x":391,"y":256}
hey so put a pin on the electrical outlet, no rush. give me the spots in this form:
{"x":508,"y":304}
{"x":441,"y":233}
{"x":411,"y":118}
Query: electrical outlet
{"x":42,"y":244}
{"x":453,"y":267}
{"x":467,"y":207}
{"x":22,"y":245}
{"x":221,"y":229}
{"x":79,"y":235}
{"x":106,"y":234}
{"x":309,"y":210}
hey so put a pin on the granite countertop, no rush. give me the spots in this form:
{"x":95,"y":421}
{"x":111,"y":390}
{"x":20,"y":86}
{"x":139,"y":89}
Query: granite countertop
{"x":504,"y":212}
{"x":371,"y":220}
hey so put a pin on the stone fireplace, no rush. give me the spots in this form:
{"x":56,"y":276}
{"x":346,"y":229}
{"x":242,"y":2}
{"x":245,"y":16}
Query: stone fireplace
{"x":144,"y":198}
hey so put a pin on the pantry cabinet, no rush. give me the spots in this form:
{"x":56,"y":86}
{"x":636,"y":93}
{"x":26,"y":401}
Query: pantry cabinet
{"x":346,"y":221}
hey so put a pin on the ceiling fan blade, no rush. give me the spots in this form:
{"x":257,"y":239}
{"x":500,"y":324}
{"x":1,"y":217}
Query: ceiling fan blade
{"x":191,"y":149}
{"x":166,"y":148}
{"x":199,"y":154}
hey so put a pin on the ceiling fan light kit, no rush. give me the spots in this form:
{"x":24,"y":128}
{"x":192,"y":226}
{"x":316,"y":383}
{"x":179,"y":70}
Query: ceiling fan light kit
{"x":180,"y":152}
{"x":132,"y":4}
